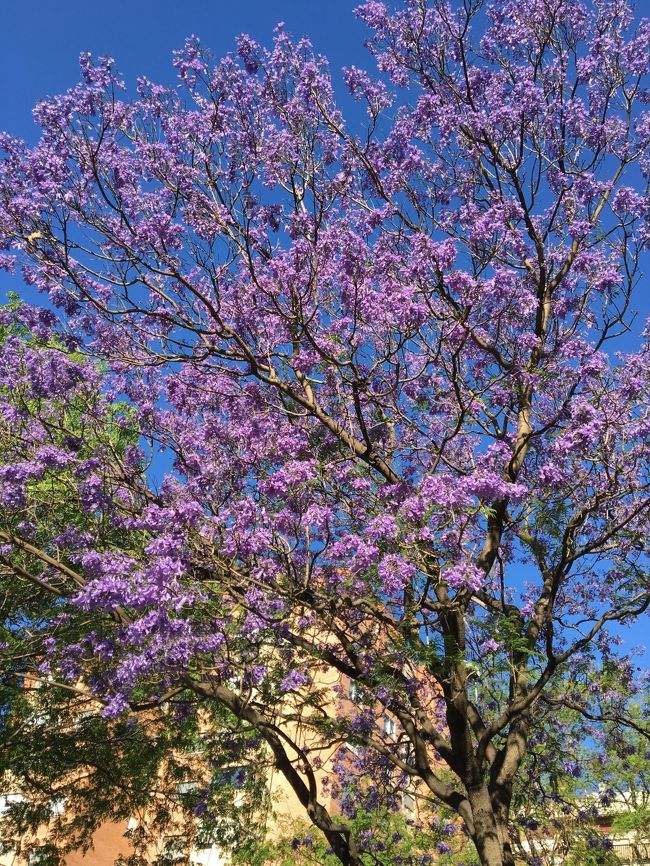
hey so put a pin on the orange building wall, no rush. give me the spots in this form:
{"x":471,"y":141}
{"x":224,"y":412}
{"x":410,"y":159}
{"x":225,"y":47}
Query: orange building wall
{"x":108,"y":843}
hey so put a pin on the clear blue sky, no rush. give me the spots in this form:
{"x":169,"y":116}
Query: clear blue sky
{"x":40,"y":41}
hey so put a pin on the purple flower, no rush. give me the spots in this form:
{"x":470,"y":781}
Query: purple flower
{"x":294,"y":680}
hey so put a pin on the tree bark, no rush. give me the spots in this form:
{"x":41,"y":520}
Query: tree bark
{"x":487,"y":835}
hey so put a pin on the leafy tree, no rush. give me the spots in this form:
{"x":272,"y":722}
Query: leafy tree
{"x":583,"y":785}
{"x":621,"y":769}
{"x":592,"y":852}
{"x":73,"y":768}
{"x":391,"y":839}
{"x":380,"y":368}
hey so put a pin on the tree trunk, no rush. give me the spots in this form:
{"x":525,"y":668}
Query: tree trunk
{"x":489,"y":838}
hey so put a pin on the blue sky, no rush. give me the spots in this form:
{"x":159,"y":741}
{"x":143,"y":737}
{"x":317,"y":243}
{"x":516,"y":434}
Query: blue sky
{"x":41,"y":41}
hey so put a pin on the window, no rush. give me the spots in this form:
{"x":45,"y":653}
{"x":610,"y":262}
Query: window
{"x":389,"y":726}
{"x":354,"y":692}
{"x":207,"y":856}
{"x":184,"y":788}
{"x":57,"y":807}
{"x":173,"y":850}
{"x":8,"y":800}
{"x":408,"y":803}
{"x":187,"y":794}
{"x":235,"y":776}
{"x":43,"y":856}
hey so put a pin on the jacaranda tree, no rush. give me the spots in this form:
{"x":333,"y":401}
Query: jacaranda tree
{"x":578,"y":777}
{"x":388,"y":374}
{"x":63,"y":765}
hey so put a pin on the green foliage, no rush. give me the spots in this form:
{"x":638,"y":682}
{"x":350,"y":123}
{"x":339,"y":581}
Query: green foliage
{"x":166,"y":767}
{"x":636,"y":821}
{"x":74,"y":769}
{"x":591,"y":852}
{"x":391,"y":837}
